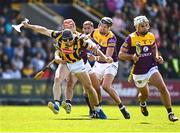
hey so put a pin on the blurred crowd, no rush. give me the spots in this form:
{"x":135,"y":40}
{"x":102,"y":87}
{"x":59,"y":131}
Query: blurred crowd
{"x":164,"y":16}
{"x":23,"y":54}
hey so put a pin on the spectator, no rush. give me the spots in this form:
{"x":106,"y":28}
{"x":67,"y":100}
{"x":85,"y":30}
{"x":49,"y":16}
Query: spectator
{"x":118,"y":22}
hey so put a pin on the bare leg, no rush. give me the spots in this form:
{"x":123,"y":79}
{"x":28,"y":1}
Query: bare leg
{"x":157,"y":81}
{"x":142,"y":96}
{"x":107,"y":86}
{"x":96,"y":85}
{"x":84,"y":78}
{"x":61,"y":73}
{"x":61,"y":70}
{"x":70,"y":86}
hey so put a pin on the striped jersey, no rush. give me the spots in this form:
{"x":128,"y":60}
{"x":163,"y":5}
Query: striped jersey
{"x":71,"y":53}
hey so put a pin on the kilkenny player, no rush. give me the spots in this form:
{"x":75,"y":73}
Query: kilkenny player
{"x":69,"y":49}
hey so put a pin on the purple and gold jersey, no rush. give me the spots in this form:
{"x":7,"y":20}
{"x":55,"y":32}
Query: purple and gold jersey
{"x":71,"y":53}
{"x":103,"y":42}
{"x":146,"y":60}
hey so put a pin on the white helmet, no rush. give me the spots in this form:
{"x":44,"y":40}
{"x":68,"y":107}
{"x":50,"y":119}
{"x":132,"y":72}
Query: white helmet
{"x":140,"y":19}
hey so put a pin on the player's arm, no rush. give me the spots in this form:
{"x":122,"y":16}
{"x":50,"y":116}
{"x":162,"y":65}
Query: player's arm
{"x":98,"y":52}
{"x":111,"y":46}
{"x":156,"y":55}
{"x":57,"y":57}
{"x":109,"y":53}
{"x":124,"y":55}
{"x":38,"y":28}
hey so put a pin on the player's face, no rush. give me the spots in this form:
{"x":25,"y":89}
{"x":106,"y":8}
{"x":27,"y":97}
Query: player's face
{"x":69,"y":25}
{"x":143,"y":28}
{"x":68,"y":42}
{"x":87,"y":29}
{"x":104,"y":29}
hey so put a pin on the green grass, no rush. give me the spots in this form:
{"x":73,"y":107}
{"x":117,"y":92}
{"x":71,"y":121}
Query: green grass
{"x":41,"y":119}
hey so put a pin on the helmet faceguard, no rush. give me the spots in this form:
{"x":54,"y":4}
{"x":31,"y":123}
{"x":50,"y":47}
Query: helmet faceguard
{"x":140,"y":19}
{"x":106,"y":20}
{"x":67,"y":35}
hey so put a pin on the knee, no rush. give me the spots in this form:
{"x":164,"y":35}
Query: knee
{"x":88,"y":86}
{"x":96,"y":87}
{"x":57,"y":80}
{"x":70,"y":84}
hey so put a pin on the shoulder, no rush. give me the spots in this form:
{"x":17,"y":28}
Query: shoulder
{"x":55,"y":34}
{"x":94,"y":32}
{"x":132,"y":35}
{"x":151,"y":35}
{"x":112,"y":38}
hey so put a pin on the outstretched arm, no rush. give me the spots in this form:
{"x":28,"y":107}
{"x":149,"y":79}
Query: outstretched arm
{"x":38,"y":28}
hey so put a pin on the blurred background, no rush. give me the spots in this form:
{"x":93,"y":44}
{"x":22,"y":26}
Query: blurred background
{"x":23,"y":54}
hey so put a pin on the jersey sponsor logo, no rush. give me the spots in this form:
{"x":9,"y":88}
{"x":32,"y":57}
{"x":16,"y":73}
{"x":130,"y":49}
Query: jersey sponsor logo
{"x":145,"y":49}
{"x":145,"y":54}
{"x":67,"y":51}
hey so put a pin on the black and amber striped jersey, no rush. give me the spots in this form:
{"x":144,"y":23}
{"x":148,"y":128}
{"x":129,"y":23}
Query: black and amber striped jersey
{"x":71,"y":53}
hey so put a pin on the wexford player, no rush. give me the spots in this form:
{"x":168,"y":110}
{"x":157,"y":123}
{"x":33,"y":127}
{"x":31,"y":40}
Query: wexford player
{"x":106,"y":42}
{"x":146,"y":70}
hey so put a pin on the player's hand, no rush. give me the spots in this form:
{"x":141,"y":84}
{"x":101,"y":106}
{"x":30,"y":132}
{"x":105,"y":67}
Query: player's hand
{"x":159,"y":59}
{"x":25,"y":23}
{"x":60,"y":61}
{"x":109,"y":60}
{"x":91,"y":58}
{"x":135,"y":58}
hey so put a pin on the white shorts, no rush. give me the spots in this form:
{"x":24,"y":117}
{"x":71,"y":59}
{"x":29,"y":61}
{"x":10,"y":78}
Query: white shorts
{"x":88,"y":68}
{"x":76,"y":67}
{"x":102,"y":69}
{"x":142,"y":79}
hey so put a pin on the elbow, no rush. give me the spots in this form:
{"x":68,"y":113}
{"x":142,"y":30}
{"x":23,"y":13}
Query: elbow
{"x":120,"y":56}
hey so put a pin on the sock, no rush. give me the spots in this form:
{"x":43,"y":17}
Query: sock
{"x":169,"y":110}
{"x":100,"y":103}
{"x":87,"y":101}
{"x":98,"y":108}
{"x":68,"y":101}
{"x":143,"y":104}
{"x":121,"y":106}
{"x":58,"y":102}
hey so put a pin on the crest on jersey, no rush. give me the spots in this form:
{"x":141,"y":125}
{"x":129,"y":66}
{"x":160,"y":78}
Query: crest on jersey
{"x":145,"y":49}
{"x":67,"y":51}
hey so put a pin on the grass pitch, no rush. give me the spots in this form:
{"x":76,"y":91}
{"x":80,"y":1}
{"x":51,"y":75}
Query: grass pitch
{"x":41,"y":119}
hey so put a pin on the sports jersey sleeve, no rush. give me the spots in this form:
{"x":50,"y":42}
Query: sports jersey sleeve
{"x":112,"y":42}
{"x":56,"y":35}
{"x":84,"y":43}
{"x":153,"y":40}
{"x":127,"y":42}
{"x":91,"y":35}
